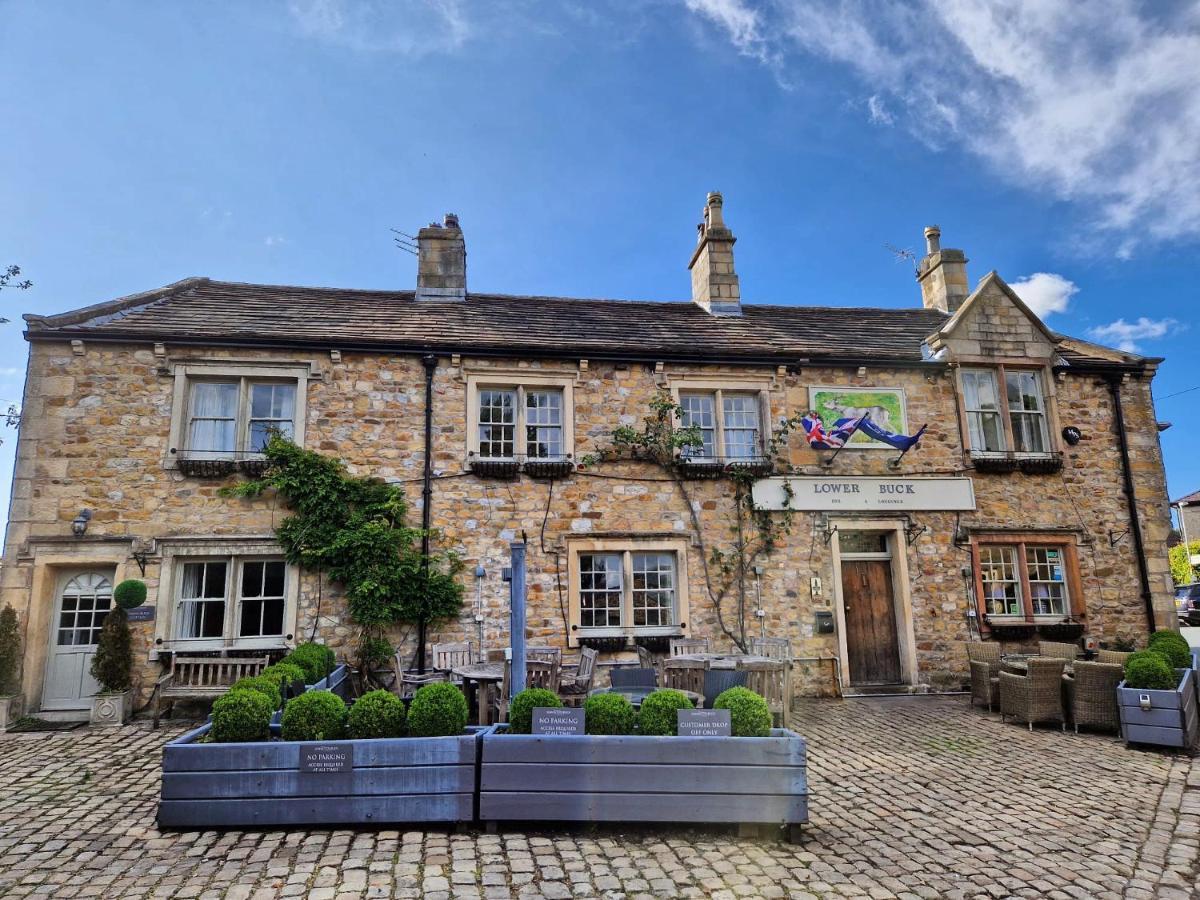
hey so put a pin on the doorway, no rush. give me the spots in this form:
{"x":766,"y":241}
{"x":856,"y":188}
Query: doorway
{"x":869,"y":608}
{"x":82,"y":600}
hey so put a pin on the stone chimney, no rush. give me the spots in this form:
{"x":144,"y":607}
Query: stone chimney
{"x":714,"y":282}
{"x":942,"y":274}
{"x":442,"y":261}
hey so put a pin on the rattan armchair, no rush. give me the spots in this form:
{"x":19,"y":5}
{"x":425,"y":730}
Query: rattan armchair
{"x":1058,"y":650}
{"x":1093,"y":693}
{"x":984,"y":660}
{"x":1036,"y":697}
{"x":1112,"y":657}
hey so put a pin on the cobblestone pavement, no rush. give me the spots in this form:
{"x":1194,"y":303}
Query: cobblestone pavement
{"x":915,"y":797}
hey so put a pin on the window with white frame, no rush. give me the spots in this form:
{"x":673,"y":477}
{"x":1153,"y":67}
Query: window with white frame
{"x":520,"y":421}
{"x":230,"y":416}
{"x":1018,"y":418}
{"x":729,"y":423}
{"x":628,"y":589}
{"x":230,"y":600}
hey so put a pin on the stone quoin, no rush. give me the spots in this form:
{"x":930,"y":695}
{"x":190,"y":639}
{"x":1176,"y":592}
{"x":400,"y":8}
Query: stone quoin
{"x":140,"y":409}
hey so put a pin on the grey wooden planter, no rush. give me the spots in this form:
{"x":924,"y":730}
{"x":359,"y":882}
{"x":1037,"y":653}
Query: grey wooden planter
{"x":1165,"y":718}
{"x":391,"y":781}
{"x":337,"y":681}
{"x":639,"y":778}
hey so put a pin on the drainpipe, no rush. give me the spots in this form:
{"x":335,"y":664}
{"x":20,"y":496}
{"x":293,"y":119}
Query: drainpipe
{"x":429,"y":361}
{"x":1135,"y":525}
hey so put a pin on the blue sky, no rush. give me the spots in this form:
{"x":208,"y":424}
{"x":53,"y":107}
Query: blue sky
{"x":1058,"y":143}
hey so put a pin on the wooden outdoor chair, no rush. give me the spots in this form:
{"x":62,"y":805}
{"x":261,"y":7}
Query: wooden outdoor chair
{"x":408,"y":683}
{"x":449,"y":656}
{"x":684,"y":674}
{"x":539,"y":673}
{"x":769,"y":680}
{"x":573,"y":689}
{"x":645,"y":658}
{"x":688,"y":646}
{"x":201,"y":678}
{"x":772,"y":648}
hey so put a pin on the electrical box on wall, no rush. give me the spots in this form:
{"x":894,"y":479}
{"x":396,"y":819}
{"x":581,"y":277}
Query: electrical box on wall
{"x":814,"y":585}
{"x":824,"y":622}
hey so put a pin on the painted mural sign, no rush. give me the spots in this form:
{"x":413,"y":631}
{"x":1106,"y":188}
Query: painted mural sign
{"x":885,"y":405}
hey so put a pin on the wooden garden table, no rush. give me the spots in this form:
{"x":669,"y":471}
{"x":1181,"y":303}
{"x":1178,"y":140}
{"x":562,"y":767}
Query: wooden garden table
{"x":722,"y":660}
{"x":483,"y":676}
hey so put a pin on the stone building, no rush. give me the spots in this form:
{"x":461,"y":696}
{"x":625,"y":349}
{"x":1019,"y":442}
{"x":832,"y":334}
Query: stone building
{"x":1036,"y":495}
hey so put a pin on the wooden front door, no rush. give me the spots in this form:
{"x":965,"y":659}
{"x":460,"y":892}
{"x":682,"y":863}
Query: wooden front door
{"x":872,"y":645}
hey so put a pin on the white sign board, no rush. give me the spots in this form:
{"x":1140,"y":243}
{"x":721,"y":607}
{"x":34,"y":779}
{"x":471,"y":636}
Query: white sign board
{"x":1194,"y":559}
{"x":853,"y":494}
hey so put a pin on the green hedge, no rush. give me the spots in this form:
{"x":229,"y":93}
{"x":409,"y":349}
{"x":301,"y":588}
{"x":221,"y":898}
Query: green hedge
{"x":749,"y":714}
{"x":315,"y":716}
{"x":1172,"y":645}
{"x":520,"y":711}
{"x":316,"y":660}
{"x":659,"y":712}
{"x":376,"y":714}
{"x":266,"y":685}
{"x":608,"y":714}
{"x":437,"y":710}
{"x":241,"y":716}
{"x":1150,"y":670}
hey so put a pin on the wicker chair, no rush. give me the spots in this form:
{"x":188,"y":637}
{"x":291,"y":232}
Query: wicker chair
{"x":1058,"y":650}
{"x":1112,"y":657}
{"x":1036,"y":697}
{"x":573,"y":689}
{"x":685,"y":674}
{"x":687,"y":646}
{"x":984,"y":660}
{"x":773,"y":648}
{"x":1093,"y":695}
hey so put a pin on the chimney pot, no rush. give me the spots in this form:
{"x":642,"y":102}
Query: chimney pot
{"x":933,"y":239}
{"x":942,"y":274}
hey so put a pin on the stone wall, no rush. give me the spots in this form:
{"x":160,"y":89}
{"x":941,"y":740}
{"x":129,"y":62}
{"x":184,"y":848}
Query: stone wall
{"x":95,"y":435}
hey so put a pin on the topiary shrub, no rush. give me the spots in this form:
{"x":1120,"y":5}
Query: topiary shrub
{"x":113,"y":662}
{"x":748,"y":712}
{"x":520,"y":711}
{"x":316,"y":660}
{"x":264,"y":684}
{"x":285,"y":673}
{"x":658,"y":712}
{"x":1149,"y":670}
{"x":376,"y":714}
{"x":609,"y":714}
{"x":129,"y":594}
{"x":437,"y":710}
{"x":1172,"y":645}
{"x":241,"y":716}
{"x":314,"y":716}
{"x":10,"y":650}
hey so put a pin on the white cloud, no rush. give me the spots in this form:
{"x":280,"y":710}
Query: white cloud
{"x":409,"y":27}
{"x":1045,"y":292}
{"x":878,"y":112}
{"x":1126,"y":334}
{"x":1097,"y":101}
{"x":275,"y":240}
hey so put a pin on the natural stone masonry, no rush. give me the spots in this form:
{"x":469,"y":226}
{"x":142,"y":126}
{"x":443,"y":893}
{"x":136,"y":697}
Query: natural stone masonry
{"x":912,"y":798}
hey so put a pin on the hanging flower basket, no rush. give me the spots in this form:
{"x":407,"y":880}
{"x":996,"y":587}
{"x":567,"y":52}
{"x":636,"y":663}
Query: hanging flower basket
{"x":507,"y":469}
{"x":548,"y":468}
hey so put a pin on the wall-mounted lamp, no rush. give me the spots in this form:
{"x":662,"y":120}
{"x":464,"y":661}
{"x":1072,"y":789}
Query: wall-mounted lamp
{"x":80,"y":523}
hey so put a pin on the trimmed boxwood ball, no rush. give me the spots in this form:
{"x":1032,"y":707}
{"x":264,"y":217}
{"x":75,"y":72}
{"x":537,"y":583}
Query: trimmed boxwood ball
{"x":748,"y":712}
{"x":658,"y":714}
{"x":520,"y":711}
{"x":608,"y":714}
{"x":376,"y":714}
{"x":264,"y":684}
{"x":315,"y":716}
{"x":1149,"y":670}
{"x":241,"y":716}
{"x":129,"y":594}
{"x":315,"y":659}
{"x":437,"y":710}
{"x":1172,"y":645}
{"x":285,"y":673}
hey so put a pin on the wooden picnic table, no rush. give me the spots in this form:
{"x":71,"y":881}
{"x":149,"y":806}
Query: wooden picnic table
{"x":479,"y":680}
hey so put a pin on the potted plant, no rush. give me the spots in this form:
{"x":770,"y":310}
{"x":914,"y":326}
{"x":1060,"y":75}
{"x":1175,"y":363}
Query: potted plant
{"x":10,"y":662}
{"x":1157,"y":698}
{"x":321,"y":763}
{"x":634,"y":767}
{"x":112,"y":665}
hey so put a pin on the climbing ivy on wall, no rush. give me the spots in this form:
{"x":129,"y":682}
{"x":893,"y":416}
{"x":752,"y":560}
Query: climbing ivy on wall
{"x":353,"y":530}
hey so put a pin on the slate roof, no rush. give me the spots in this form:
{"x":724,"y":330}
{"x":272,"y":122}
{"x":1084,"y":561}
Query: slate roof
{"x":200,"y":310}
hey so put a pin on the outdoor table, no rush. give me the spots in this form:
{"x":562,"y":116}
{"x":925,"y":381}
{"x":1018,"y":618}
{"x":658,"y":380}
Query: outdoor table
{"x":721,"y":660}
{"x":637,"y":695}
{"x":1019,"y":665}
{"x":482,"y":677}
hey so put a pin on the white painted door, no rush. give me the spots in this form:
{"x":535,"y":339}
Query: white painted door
{"x":82,"y":602}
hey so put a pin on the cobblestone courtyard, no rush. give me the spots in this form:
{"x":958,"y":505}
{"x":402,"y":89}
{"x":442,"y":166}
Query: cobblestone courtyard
{"x":915,"y":797}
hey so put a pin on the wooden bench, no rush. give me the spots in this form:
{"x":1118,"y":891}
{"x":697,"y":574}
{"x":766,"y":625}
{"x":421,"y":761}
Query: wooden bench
{"x":202,"y":678}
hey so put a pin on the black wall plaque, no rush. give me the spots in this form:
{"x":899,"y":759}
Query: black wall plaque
{"x":704,"y":723}
{"x":557,"y":720}
{"x":140,"y":614}
{"x":327,"y":759}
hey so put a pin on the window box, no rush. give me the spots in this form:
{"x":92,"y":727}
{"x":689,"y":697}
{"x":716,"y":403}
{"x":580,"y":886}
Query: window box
{"x":548,"y":468}
{"x":204,"y":467}
{"x":1012,"y":631}
{"x":994,"y":462}
{"x":508,"y":469}
{"x":700,"y":467}
{"x":253,"y":466}
{"x":1165,"y":718}
{"x":604,"y":778}
{"x":1068,"y":632}
{"x":603,"y":643}
{"x":655,"y":643}
{"x":1042,"y":464}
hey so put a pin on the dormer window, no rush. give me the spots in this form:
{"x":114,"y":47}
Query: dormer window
{"x":1014,"y":420}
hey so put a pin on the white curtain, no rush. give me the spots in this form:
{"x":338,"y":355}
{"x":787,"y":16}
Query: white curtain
{"x":189,"y":612}
{"x":213,"y":412}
